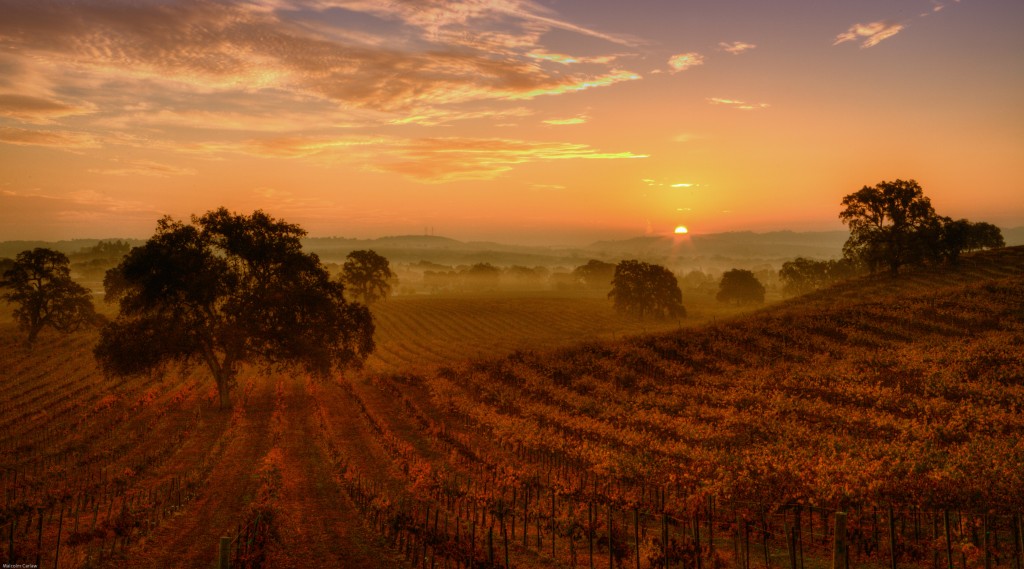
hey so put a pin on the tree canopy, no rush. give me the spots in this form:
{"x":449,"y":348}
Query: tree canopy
{"x":595,"y":274}
{"x":39,"y":283}
{"x":368,"y":275}
{"x":740,"y":286}
{"x":885,"y":223}
{"x":641,"y":289}
{"x":225,"y":290}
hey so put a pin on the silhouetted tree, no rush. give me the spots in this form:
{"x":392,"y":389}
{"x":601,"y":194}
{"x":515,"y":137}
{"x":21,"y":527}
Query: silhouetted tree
{"x":39,"y":282}
{"x":945,"y":239}
{"x":368,"y":275}
{"x":983,"y":235}
{"x":640,"y":289}
{"x":740,"y":286}
{"x":595,"y":274}
{"x":886,"y":222}
{"x":226,"y":290}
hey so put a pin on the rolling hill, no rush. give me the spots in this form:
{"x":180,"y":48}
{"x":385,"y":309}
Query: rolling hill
{"x":897,"y":401}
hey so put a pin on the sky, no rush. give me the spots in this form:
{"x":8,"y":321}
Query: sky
{"x":520,"y":121}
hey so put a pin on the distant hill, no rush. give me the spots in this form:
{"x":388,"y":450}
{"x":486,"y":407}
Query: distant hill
{"x":732,"y":249}
{"x":11,"y":249}
{"x":711,"y":252}
{"x":1013,"y":236}
{"x":733,"y":245}
{"x":441,"y":250}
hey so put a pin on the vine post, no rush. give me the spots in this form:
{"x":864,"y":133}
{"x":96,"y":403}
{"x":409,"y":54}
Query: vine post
{"x":224,"y":559}
{"x":840,"y":545}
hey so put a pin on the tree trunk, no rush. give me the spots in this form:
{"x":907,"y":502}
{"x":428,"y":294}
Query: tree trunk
{"x":32,"y":333}
{"x":224,"y":389}
{"x":223,"y":373}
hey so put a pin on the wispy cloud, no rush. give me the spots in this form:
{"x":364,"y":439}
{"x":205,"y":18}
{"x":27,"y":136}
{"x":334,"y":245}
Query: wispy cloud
{"x":55,"y":138}
{"x":568,"y":121}
{"x":448,"y":159}
{"x":737,"y":104}
{"x":289,"y":146}
{"x":441,"y":116}
{"x":446,"y":20}
{"x":651,"y":182}
{"x":736,"y":47}
{"x":433,"y":159}
{"x":39,"y":109}
{"x":570,"y":59}
{"x":253,"y":49}
{"x":684,"y":61}
{"x":143,"y":168}
{"x":569,"y":86}
{"x":869,"y":35}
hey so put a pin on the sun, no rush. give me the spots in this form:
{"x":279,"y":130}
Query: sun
{"x":681,"y":230}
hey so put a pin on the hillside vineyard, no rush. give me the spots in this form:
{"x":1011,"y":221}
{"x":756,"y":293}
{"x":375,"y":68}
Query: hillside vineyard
{"x":731,"y":444}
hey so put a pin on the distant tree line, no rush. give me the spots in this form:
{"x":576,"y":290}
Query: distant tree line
{"x":482,"y":277}
{"x":801,"y":276}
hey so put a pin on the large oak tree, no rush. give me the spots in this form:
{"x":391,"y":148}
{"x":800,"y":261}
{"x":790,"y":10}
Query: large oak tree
{"x":740,"y":286}
{"x":641,"y":289}
{"x":368,"y":275}
{"x":887,"y":222}
{"x":39,"y":283}
{"x":225,"y":290}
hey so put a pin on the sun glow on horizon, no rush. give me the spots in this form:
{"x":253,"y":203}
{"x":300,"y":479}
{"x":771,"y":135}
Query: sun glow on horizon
{"x":681,"y":230}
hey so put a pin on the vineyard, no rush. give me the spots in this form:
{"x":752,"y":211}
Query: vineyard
{"x":543,"y":433}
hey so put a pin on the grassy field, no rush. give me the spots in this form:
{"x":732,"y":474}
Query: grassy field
{"x":416,"y":332}
{"x":543,"y":428}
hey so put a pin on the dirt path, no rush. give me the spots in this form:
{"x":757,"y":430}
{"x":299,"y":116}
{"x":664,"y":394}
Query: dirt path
{"x":319,"y":526}
{"x":190,"y":538}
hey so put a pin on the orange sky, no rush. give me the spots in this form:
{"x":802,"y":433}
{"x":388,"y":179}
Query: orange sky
{"x":512,"y":120}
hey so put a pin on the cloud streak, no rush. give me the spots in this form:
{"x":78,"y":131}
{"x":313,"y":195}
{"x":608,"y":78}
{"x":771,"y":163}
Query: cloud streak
{"x":54,"y":138}
{"x":449,"y":159}
{"x":684,"y":61}
{"x":736,"y":47}
{"x":42,"y":110}
{"x":742,"y":105}
{"x":144,"y":168}
{"x":564,"y":122}
{"x":869,"y":35}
